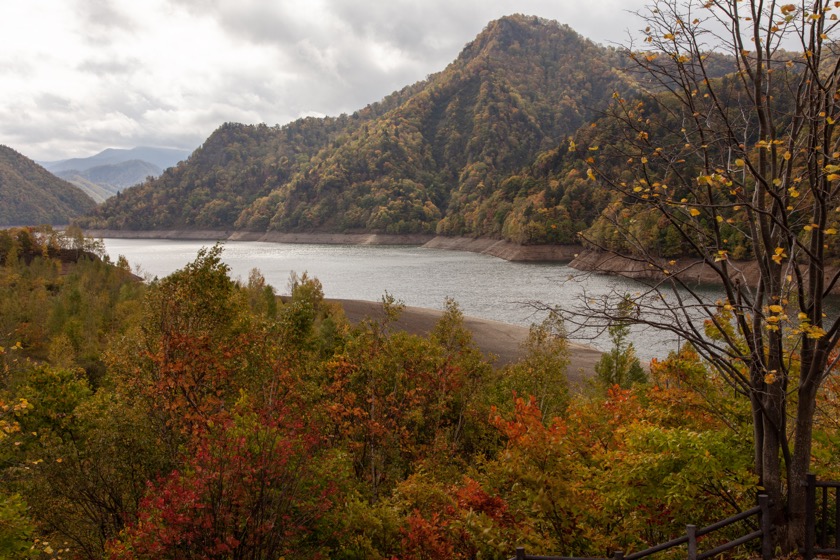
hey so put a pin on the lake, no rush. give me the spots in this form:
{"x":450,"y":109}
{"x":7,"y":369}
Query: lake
{"x":483,"y":286}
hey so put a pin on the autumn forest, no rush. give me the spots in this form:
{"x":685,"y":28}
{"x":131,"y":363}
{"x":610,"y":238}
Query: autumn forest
{"x":200,"y":417}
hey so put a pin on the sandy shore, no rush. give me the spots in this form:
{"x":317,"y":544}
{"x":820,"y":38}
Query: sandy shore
{"x":492,"y":337}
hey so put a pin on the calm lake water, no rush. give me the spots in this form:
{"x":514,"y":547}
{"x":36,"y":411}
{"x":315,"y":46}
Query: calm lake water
{"x":483,"y":286}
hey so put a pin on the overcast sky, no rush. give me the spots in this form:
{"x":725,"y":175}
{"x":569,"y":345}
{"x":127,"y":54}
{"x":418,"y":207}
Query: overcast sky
{"x":79,"y":76}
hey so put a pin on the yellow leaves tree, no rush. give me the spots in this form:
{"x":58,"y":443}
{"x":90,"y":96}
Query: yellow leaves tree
{"x":753,"y":155}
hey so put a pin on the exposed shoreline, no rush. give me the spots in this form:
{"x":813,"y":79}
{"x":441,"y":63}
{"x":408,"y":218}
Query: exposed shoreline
{"x":493,"y":247}
{"x":692,"y":271}
{"x":502,"y":340}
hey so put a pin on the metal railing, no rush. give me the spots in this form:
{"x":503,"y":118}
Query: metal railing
{"x":764,"y":532}
{"x":821,"y":531}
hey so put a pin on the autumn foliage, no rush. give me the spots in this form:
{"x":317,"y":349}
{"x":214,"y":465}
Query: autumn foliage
{"x":219,"y":422}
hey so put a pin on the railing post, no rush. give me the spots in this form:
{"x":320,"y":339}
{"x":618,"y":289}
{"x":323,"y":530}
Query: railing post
{"x":766,"y":527}
{"x":836,"y":517}
{"x":823,"y":540}
{"x":691,"y":531}
{"x":810,"y":515}
{"x":520,"y":553}
{"x":618,"y":555}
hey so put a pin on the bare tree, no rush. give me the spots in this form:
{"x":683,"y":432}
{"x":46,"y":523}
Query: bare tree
{"x":746,"y":164}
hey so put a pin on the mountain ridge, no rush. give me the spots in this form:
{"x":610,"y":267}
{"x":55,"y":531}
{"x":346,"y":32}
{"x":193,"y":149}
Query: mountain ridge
{"x":160,"y":157}
{"x":477,"y":150}
{"x":104,"y":181}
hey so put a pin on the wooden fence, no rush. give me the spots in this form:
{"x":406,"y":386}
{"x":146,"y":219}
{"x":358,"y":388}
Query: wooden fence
{"x":761,"y":511}
{"x":822,"y":529}
{"x":822,"y":525}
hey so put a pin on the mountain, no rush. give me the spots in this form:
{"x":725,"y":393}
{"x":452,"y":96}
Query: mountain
{"x":31,"y":195}
{"x":474,"y":150}
{"x":161,"y":158}
{"x":104,"y":181}
{"x":103,"y":175}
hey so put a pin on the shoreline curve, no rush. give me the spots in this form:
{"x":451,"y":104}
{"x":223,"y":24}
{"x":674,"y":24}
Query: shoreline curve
{"x":486,"y":246}
{"x":502,"y":340}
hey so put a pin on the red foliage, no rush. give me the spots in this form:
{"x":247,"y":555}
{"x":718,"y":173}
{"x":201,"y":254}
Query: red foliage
{"x":190,"y":379}
{"x":427,"y":539}
{"x":248,"y":492}
{"x":472,"y":497}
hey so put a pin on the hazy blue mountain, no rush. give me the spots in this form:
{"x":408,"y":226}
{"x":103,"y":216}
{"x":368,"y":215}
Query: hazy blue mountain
{"x":104,"y":181}
{"x":105,"y":174}
{"x":160,"y":157}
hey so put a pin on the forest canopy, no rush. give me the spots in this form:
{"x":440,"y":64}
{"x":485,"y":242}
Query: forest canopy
{"x":196,"y":416}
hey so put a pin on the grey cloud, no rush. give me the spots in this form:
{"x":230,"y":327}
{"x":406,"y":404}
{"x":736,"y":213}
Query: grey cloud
{"x":102,"y":22}
{"x":110,"y":66}
{"x":52,"y":102}
{"x":104,"y":14}
{"x":266,"y":24}
{"x":261,"y":23}
{"x":420,"y":27}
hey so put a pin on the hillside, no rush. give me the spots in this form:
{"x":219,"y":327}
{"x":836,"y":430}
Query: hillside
{"x":441,"y":156}
{"x":31,"y":195}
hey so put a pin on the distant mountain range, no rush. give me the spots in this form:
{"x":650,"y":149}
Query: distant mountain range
{"x":479,"y":149}
{"x":31,"y":195}
{"x":103,"y":175}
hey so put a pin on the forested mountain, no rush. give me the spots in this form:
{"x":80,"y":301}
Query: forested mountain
{"x":31,"y":195}
{"x":445,"y":155}
{"x":479,"y":149}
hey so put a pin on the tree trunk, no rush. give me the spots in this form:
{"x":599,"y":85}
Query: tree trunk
{"x":771,"y":478}
{"x":800,"y":464}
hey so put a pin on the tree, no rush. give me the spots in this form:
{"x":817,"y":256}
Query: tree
{"x":754,"y":156}
{"x":254,"y":486}
{"x":620,"y":366}
{"x":542,"y":372}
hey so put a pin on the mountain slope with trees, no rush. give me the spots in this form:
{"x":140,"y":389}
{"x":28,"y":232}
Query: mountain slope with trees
{"x":31,"y":195}
{"x":445,"y":155}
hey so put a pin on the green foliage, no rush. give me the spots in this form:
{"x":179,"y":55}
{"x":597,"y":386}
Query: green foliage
{"x":620,"y":366}
{"x":226,"y":423}
{"x":401,"y":400}
{"x":29,"y":194}
{"x":541,"y":374}
{"x":16,"y":529}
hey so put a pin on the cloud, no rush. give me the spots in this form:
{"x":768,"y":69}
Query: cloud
{"x":83,"y":75}
{"x":104,"y":21}
{"x":103,"y":66}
